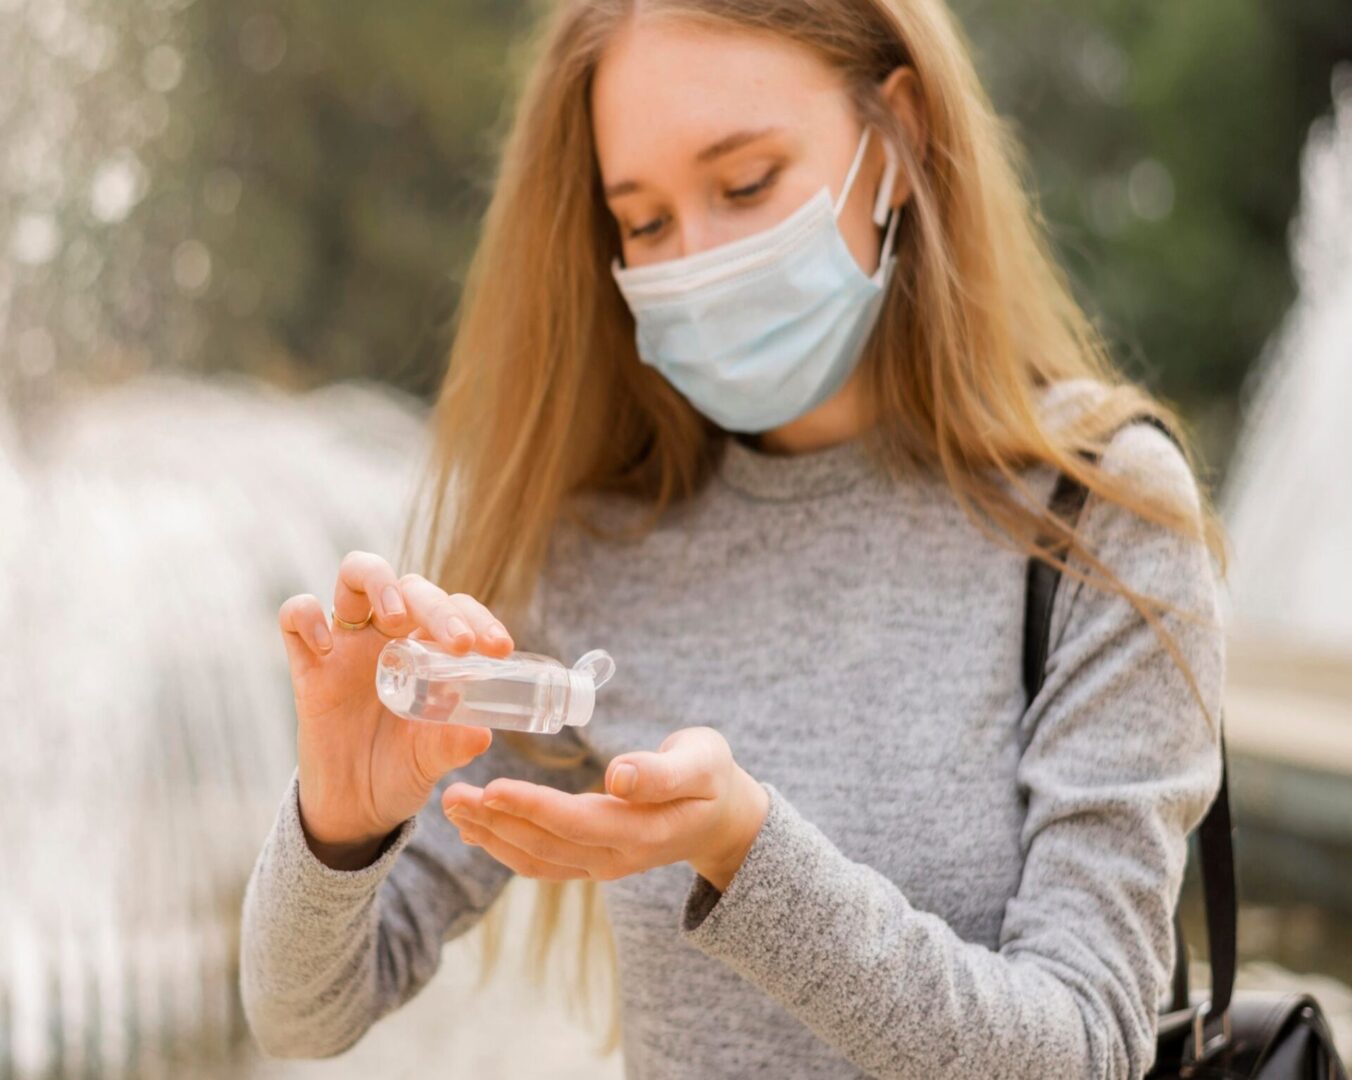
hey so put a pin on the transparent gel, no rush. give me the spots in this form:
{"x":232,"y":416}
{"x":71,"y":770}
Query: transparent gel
{"x":421,"y":680}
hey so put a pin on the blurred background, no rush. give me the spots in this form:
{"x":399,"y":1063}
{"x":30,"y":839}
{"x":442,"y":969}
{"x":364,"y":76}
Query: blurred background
{"x":232,"y":237}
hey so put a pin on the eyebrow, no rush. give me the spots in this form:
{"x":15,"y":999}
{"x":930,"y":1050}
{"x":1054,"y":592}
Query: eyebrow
{"x":726,"y":145}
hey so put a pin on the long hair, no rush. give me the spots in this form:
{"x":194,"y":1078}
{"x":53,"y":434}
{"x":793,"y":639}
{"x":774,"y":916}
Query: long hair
{"x":545,"y":395}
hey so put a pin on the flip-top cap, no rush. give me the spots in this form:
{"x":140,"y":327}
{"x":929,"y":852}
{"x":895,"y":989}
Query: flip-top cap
{"x":581,"y":697}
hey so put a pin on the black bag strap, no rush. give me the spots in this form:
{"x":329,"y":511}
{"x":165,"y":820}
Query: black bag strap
{"x":1214,"y":832}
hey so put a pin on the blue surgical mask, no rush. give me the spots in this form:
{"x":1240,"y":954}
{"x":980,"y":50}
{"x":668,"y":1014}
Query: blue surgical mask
{"x":760,"y":330}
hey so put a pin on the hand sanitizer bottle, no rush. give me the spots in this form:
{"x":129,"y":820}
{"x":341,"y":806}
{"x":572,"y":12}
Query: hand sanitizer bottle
{"x":418,"y":679}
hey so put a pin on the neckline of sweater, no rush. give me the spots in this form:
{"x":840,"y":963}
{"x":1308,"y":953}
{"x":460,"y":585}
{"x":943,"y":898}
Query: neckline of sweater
{"x":765,"y":474}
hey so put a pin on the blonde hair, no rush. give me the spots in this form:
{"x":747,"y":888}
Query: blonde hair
{"x":545,"y":395}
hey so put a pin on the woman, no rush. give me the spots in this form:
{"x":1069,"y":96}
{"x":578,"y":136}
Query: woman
{"x":762,"y":379}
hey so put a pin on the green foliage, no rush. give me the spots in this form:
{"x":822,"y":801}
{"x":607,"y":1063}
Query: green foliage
{"x":1166,"y":140}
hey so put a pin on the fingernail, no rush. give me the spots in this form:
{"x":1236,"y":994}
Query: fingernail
{"x":323,"y":638}
{"x":622,"y":783}
{"x":390,"y":601}
{"x":494,"y":804}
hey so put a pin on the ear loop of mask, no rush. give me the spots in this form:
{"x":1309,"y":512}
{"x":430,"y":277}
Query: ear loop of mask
{"x":889,"y":181}
{"x":854,"y":169}
{"x":881,"y":206}
{"x":883,"y":211}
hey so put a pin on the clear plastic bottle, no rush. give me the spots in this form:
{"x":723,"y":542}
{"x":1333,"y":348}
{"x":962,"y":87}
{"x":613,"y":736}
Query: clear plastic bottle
{"x":525,"y":691}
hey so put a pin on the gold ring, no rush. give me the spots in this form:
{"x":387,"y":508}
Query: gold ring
{"x":352,"y":625}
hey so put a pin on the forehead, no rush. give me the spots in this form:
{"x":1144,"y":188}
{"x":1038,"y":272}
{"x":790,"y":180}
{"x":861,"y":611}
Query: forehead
{"x":666,"y":86}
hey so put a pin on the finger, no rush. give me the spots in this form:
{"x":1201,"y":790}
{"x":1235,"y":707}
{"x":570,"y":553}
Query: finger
{"x":589,"y":817}
{"x":366,"y":582}
{"x":596,"y":860}
{"x":305,"y":630}
{"x":520,"y":861}
{"x":492,"y":635}
{"x":692,"y":763}
{"x":457,"y":619}
{"x":460,"y":794}
{"x":440,"y":747}
{"x":437,"y":617}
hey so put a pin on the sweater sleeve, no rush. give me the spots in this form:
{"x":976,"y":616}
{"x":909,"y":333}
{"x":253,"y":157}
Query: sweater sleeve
{"x":1119,"y":764}
{"x":325,"y":953}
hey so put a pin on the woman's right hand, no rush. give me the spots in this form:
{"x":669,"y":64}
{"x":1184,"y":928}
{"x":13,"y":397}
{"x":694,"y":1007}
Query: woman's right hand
{"x":363,"y":769}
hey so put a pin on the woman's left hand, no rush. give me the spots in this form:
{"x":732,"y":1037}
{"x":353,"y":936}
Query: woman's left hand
{"x":687,"y":801}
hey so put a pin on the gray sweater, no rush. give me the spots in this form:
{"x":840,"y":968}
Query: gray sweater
{"x":947,"y":884}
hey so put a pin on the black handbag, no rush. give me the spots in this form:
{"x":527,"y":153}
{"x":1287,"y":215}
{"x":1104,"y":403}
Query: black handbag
{"x":1259,"y":1035}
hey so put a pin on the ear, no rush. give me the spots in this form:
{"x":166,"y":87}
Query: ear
{"x":901,"y":90}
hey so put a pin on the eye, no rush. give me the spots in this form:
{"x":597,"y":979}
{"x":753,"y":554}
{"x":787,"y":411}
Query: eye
{"x":763,"y":182}
{"x":644,"y":230}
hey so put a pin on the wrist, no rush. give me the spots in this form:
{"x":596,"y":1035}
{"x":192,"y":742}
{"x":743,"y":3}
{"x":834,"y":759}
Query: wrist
{"x":356,"y":854}
{"x":346,"y":857}
{"x":750,"y":802}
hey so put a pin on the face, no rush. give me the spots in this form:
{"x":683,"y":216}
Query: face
{"x":703,"y":137}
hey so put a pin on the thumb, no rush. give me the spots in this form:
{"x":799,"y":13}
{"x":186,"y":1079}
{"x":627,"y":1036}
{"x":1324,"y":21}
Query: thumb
{"x":690,"y":764}
{"x":440,"y":747}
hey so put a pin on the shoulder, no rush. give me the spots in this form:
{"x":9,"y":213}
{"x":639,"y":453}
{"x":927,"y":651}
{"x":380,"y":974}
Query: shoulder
{"x":1155,"y":466}
{"x":1167,"y":562}
{"x":1138,"y":452}
{"x":1152,"y":535}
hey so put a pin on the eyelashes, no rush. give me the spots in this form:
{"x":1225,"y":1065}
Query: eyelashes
{"x":762,"y":183}
{"x":643,"y":230}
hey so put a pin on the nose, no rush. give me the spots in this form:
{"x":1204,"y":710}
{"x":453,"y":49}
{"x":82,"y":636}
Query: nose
{"x":695,"y":233}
